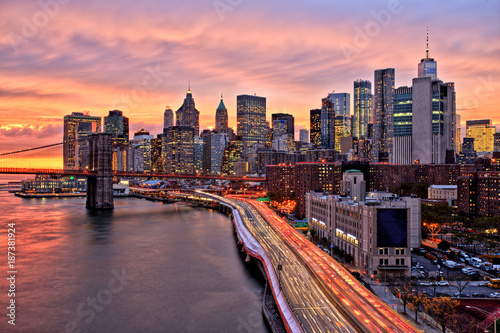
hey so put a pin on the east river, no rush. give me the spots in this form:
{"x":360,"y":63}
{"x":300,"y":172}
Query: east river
{"x":142,"y":267}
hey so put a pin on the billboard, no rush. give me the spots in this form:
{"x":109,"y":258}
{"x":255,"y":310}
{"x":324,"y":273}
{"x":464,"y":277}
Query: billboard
{"x":392,"y":227}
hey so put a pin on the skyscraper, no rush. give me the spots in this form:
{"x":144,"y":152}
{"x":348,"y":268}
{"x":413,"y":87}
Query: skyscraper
{"x":383,"y":115}
{"x":403,"y":125}
{"x":342,"y":105}
{"x":304,"y":135}
{"x":289,"y":121}
{"x":327,"y":123}
{"x":482,"y":132}
{"x":362,"y":108}
{"x":187,"y":115}
{"x":143,"y":142}
{"x":315,"y":127}
{"x":178,"y":149}
{"x":70,"y":145}
{"x":168,"y":117}
{"x":427,"y":66}
{"x":116,"y":124}
{"x":251,"y":119}
{"x":221,"y":118}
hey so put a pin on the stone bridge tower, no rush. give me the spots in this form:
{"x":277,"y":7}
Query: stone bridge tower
{"x":100,"y":185}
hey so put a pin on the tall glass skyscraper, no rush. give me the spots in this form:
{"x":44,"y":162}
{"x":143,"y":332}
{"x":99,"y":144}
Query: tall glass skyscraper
{"x":327,"y":123}
{"x":116,"y":124}
{"x":251,"y":119}
{"x":342,"y":107}
{"x":427,"y":66}
{"x":362,"y":108}
{"x":383,"y":100}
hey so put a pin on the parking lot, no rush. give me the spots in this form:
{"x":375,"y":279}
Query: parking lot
{"x":426,"y":275}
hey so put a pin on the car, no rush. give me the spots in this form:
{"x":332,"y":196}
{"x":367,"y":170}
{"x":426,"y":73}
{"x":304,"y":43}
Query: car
{"x":467,"y":269}
{"x":479,"y":295}
{"x":460,"y":295}
{"x":483,"y":283}
{"x":494,"y":295}
{"x":425,"y":283}
{"x":442,"y":283}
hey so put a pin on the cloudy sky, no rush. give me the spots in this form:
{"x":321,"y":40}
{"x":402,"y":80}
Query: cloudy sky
{"x":62,"y":56}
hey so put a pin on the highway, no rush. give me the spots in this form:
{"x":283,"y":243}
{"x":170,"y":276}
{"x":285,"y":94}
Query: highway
{"x":311,"y":306}
{"x":347,"y":306}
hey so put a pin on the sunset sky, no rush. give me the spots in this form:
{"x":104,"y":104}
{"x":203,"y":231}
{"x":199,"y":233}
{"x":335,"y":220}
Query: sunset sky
{"x":67,"y":56}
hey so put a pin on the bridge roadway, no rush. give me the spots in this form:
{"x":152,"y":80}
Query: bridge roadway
{"x":361,"y":309}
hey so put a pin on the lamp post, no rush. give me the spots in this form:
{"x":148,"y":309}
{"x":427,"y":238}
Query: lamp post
{"x":488,"y":314}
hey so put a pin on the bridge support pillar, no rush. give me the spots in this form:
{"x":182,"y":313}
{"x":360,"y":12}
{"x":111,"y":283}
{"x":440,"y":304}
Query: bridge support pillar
{"x":100,"y":185}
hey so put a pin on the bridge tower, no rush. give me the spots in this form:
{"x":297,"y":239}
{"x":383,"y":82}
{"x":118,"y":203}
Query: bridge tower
{"x":100,"y":185}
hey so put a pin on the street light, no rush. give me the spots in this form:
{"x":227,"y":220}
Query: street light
{"x":488,"y":314}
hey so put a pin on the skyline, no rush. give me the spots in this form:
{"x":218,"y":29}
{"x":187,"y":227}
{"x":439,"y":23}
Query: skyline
{"x":139,"y":58}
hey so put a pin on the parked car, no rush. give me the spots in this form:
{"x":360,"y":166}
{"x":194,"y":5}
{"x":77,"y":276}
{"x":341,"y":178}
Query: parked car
{"x":483,"y":283}
{"x":461,"y":295}
{"x":479,"y":295}
{"x":494,"y":295}
{"x":442,"y":283}
{"x":425,"y":283}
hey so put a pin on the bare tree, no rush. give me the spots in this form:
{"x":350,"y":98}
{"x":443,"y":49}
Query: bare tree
{"x":460,"y":285}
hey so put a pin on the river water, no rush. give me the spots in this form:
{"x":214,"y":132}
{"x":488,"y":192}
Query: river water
{"x":142,"y":267}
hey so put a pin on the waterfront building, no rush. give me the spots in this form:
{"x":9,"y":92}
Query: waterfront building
{"x":483,"y":134}
{"x":187,"y":115}
{"x":118,"y":125}
{"x":383,"y":99}
{"x":70,"y":137}
{"x":362,"y":108}
{"x":251,"y":119}
{"x":315,"y":127}
{"x":304,"y":136}
{"x":168,"y":117}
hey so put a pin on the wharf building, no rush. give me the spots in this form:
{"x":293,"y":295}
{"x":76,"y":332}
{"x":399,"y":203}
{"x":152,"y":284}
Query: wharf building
{"x":377,"y":230}
{"x":77,"y":127}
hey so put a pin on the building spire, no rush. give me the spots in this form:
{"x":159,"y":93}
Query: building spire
{"x":427,"y":49}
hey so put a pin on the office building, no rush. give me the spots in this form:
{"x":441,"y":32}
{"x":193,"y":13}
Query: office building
{"x":289,"y":122}
{"x":482,"y":132}
{"x":70,"y":137}
{"x":143,"y":142}
{"x":427,"y":66}
{"x":221,"y":118}
{"x":315,"y":127}
{"x":188,"y":115}
{"x":443,"y":192}
{"x":377,"y":234}
{"x":251,"y":119}
{"x":178,"y":149}
{"x":467,"y":154}
{"x":496,"y":141}
{"x":342,"y":106}
{"x":168,"y":117}
{"x":198,"y":155}
{"x":362,"y":108}
{"x":117,"y":124}
{"x":156,"y":154}
{"x":402,"y":116}
{"x":218,"y":144}
{"x":327,"y":123}
{"x":304,"y":136}
{"x":383,"y":99}
{"x":232,"y":154}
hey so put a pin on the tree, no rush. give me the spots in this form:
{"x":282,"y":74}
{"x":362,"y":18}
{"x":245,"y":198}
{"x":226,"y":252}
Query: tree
{"x":417,"y":302}
{"x":460,"y":285}
{"x":433,"y":228}
{"x":341,"y":254}
{"x":348,"y":258}
{"x":336,"y":249}
{"x":464,"y":323}
{"x":405,"y":293}
{"x":442,"y":309}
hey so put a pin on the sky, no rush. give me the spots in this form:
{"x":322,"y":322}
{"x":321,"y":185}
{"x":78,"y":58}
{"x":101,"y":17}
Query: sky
{"x":63,"y":56}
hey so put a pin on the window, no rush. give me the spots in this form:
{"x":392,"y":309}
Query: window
{"x":400,"y":251}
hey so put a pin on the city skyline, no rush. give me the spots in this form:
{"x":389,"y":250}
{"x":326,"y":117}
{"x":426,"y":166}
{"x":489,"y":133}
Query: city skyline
{"x":50,"y":72}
